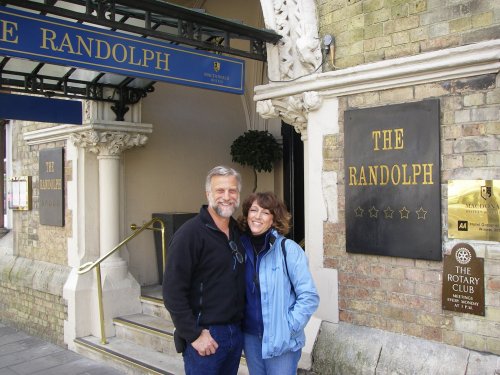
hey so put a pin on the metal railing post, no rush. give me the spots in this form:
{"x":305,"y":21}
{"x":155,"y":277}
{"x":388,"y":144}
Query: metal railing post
{"x":101,"y":306}
{"x":84,"y":268}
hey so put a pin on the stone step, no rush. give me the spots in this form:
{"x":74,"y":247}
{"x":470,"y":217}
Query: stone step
{"x":152,"y":302}
{"x":148,"y":331}
{"x":144,"y":343}
{"x":129,"y":357}
{"x":153,"y":333}
{"x":135,"y":359}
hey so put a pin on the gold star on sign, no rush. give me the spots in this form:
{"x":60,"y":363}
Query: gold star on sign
{"x":421,"y":213}
{"x":359,"y":212}
{"x":388,"y":212}
{"x":404,"y":213}
{"x":373,"y":212}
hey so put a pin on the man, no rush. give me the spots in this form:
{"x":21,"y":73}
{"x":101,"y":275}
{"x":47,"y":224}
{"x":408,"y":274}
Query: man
{"x":204,"y":285}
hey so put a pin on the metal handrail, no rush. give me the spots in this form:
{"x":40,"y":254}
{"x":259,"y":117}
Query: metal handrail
{"x":86,"y":267}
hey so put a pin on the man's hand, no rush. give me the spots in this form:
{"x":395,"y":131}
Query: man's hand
{"x":205,"y":344}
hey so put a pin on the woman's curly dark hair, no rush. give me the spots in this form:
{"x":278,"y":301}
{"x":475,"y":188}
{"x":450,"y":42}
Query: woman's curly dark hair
{"x":269,"y":201}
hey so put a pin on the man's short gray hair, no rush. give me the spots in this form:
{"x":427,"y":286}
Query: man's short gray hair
{"x":222,"y":170}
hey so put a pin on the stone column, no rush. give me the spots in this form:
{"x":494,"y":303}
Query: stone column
{"x":109,"y":204}
{"x":108,"y":146}
{"x":121,"y":291}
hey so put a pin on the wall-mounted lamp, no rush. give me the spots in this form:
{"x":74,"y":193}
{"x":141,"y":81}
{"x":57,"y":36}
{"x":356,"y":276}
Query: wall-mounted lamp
{"x":329,"y":48}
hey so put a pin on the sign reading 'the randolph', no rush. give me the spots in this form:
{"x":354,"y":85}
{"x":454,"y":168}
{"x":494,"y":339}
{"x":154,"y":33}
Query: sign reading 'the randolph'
{"x":51,"y":186}
{"x":393,"y":204}
{"x":40,"y":38}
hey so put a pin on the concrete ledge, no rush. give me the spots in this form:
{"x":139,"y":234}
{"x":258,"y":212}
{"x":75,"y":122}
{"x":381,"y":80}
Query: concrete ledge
{"x":40,"y":276}
{"x":348,"y":349}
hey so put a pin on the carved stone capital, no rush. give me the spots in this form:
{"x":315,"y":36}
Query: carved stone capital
{"x":266,"y":109}
{"x":107,"y":143}
{"x":312,"y":100}
{"x":294,"y":110}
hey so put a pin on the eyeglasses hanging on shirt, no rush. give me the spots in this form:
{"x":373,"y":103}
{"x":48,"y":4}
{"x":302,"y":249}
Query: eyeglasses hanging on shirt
{"x":236,"y":254}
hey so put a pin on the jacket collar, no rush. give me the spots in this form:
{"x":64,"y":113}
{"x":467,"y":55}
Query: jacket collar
{"x":207,"y":219}
{"x":271,"y":236}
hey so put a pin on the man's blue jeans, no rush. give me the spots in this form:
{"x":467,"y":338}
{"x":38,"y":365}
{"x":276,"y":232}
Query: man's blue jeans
{"x":285,"y":364}
{"x":226,"y":359}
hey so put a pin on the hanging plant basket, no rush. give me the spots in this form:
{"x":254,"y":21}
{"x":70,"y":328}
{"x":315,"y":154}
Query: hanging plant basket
{"x":257,"y":149}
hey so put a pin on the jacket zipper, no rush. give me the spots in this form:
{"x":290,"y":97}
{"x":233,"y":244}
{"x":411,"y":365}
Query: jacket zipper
{"x":257,"y":285}
{"x":201,"y":304}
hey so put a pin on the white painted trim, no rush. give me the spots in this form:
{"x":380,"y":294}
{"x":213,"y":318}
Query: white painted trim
{"x":451,"y":63}
{"x":62,"y":132}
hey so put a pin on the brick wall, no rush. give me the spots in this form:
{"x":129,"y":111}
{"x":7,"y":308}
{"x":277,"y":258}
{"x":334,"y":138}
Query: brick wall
{"x":32,"y":280}
{"x":404,"y":295}
{"x":374,"y":30}
{"x":32,"y":240}
{"x":35,"y":312}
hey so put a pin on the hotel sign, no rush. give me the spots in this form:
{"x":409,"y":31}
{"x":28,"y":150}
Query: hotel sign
{"x":392,"y":181}
{"x":46,"y":39}
{"x":51,"y":186}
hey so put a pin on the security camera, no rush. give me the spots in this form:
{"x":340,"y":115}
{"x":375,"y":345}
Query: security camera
{"x":327,"y":40}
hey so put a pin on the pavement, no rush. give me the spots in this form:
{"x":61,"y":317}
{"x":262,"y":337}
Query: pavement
{"x":22,"y":354}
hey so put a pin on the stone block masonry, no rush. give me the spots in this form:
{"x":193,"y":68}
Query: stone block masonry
{"x":361,"y":350}
{"x":32,"y":297}
{"x":403,"y":296}
{"x":35,"y":241}
{"x":32,"y":277}
{"x":374,"y":30}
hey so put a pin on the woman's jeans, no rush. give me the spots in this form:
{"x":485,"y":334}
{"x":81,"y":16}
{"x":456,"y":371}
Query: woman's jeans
{"x":285,"y":364}
{"x":225,"y":361}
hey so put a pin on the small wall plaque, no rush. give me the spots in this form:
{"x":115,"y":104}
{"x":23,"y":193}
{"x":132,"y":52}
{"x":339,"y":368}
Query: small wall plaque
{"x":463,"y":281}
{"x":474,"y":209}
{"x":20,"y":193}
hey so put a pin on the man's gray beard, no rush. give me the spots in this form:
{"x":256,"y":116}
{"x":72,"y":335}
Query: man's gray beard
{"x":221,"y":210}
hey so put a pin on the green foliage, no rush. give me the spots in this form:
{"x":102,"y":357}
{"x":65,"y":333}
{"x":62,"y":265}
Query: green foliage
{"x":257,"y":149}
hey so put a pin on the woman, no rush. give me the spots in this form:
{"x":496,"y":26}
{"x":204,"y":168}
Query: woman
{"x":280,"y":292}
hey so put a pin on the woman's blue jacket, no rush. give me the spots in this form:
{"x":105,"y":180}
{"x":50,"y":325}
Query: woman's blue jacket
{"x":285,"y":312}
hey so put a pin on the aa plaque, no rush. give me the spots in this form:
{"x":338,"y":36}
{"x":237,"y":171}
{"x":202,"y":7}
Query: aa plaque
{"x":474,"y":209}
{"x":463,"y":281}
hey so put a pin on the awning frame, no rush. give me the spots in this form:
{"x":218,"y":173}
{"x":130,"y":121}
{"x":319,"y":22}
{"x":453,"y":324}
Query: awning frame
{"x":150,"y":19}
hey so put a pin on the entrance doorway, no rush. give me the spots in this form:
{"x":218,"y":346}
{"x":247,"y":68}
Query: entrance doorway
{"x":293,"y":180}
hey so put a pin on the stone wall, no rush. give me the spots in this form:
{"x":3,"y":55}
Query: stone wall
{"x":404,"y":295}
{"x":361,"y":350}
{"x":373,"y":30}
{"x":32,"y":240}
{"x":32,"y":297}
{"x":33,"y":274}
